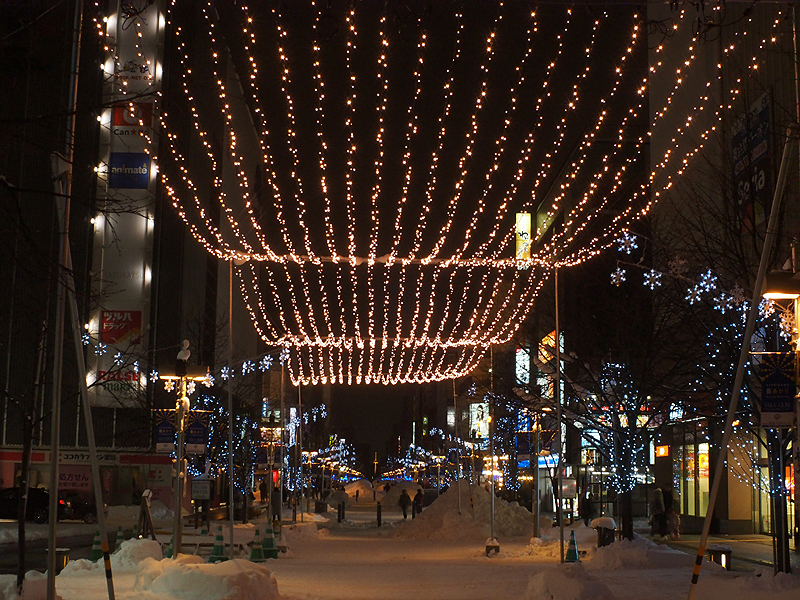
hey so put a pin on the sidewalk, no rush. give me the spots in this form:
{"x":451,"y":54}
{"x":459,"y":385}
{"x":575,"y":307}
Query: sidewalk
{"x":750,"y":552}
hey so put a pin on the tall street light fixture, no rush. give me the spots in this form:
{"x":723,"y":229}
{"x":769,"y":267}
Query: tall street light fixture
{"x":187,"y":376}
{"x":785,"y":285}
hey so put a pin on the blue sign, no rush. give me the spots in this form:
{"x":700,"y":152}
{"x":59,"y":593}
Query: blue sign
{"x":129,"y":170}
{"x":197,"y":424}
{"x":164,"y":419}
{"x":778,"y":389}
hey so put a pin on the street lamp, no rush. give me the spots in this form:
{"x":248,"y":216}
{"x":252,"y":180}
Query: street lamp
{"x":186,"y":375}
{"x":785,"y":285}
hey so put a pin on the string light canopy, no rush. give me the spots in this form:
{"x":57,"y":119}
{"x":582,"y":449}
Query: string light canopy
{"x":363,"y":166}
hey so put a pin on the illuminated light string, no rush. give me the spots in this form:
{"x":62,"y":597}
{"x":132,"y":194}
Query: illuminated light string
{"x":315,"y":329}
{"x":471,"y":139}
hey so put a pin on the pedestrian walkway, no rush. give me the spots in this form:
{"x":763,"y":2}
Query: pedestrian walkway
{"x":750,"y":552}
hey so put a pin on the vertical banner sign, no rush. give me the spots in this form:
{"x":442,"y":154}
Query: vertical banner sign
{"x":750,"y":149}
{"x":197,"y":425}
{"x":164,"y":426}
{"x":778,"y":389}
{"x":121,"y":258}
{"x":523,"y":236}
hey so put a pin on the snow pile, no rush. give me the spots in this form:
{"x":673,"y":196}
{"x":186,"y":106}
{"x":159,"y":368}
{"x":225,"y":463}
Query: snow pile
{"x":549,"y":542}
{"x":639,"y":553}
{"x":123,"y":515}
{"x":441,"y":518}
{"x":301,"y":532}
{"x":159,"y":510}
{"x":362,"y":486}
{"x":34,"y":587}
{"x":566,"y":582}
{"x":337,"y":497}
{"x":191,"y":579}
{"x":391,"y":498}
{"x":124,"y":560}
{"x":761,"y":585}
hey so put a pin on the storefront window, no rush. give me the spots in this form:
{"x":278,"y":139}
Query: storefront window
{"x":702,"y":478}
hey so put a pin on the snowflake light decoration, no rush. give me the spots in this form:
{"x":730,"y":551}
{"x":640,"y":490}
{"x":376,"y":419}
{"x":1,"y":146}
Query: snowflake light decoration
{"x":618,"y":276}
{"x":154,"y":375}
{"x":708,"y":281}
{"x":225,"y":373}
{"x":737,"y":295}
{"x":266,"y":363}
{"x":248,"y":367}
{"x":766,"y":308}
{"x":169,"y":385}
{"x":694,"y":294}
{"x":787,"y":325}
{"x":86,"y":339}
{"x":627,"y":242}
{"x":677,"y":267}
{"x":100,"y":349}
{"x":652,"y":279}
{"x":118,"y":359}
{"x":284,"y":356}
{"x":724,"y":302}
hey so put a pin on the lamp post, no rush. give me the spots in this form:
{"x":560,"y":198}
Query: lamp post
{"x":785,"y":285}
{"x":185,"y":375}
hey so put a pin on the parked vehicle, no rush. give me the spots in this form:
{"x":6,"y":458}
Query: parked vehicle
{"x":79,"y":509}
{"x":38,"y":505}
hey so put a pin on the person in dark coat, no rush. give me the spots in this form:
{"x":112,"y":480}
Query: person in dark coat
{"x":405,"y":503}
{"x":262,"y":488}
{"x":275,"y":501}
{"x":586,"y":508}
{"x":419,"y":499}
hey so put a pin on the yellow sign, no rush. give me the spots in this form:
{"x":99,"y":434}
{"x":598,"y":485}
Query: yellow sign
{"x":523,"y":236}
{"x":662,"y":450}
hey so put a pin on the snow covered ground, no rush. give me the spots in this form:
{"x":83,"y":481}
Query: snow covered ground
{"x":440,"y":555}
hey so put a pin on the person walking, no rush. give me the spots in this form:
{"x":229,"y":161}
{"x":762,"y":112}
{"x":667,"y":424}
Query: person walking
{"x":275,"y":501}
{"x":262,"y":488}
{"x":586,"y":508}
{"x":419,"y":499}
{"x":405,"y":503}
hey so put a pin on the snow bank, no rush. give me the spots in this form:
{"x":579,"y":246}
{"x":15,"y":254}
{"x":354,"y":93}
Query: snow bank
{"x":391,"y":498}
{"x":639,"y":553}
{"x":441,"y":518}
{"x":566,"y":582}
{"x":126,"y":516}
{"x":548,"y":544}
{"x":33,"y":588}
{"x":337,"y":498}
{"x":126,"y":559}
{"x":192,"y":579}
{"x":301,"y":532}
{"x":362,"y":486}
{"x":761,"y":585}
{"x":159,"y":511}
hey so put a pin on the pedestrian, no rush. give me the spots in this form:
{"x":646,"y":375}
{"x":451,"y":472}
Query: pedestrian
{"x":263,"y":489}
{"x":419,"y":499}
{"x":405,"y":503}
{"x":275,"y":501}
{"x":657,"y":516}
{"x":586,"y":508}
{"x":672,"y":519}
{"x":357,"y":495}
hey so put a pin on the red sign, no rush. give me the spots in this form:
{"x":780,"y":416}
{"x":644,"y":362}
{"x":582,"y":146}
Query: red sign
{"x":74,"y":477}
{"x":133,"y":114}
{"x":118,"y":326}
